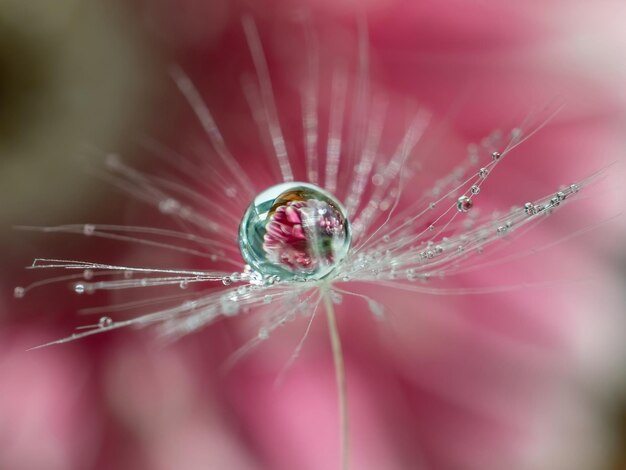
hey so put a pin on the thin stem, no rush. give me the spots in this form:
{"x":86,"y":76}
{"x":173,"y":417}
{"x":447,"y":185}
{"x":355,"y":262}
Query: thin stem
{"x":340,"y":373}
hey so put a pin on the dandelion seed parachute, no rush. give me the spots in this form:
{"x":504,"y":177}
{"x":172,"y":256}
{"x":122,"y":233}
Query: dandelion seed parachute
{"x":409,"y":245}
{"x":294,"y":232}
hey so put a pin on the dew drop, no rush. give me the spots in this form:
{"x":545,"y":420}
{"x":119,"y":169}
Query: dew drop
{"x":495,"y":156}
{"x":227,"y":281}
{"x":464,"y":204}
{"x":89,"y":229}
{"x":183,"y":284}
{"x":79,"y":288}
{"x":475,"y":189}
{"x":267,"y":299}
{"x":294,"y":231}
{"x":530,"y":208}
{"x":19,"y":292}
{"x":87,"y":274}
{"x":105,"y":322}
{"x":483,"y":172}
{"x":263,"y":333}
{"x":378,"y":179}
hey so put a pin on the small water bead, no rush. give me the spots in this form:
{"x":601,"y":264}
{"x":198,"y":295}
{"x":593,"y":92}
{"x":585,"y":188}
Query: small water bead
{"x":378,"y":179}
{"x":87,"y":274}
{"x":495,"y":156}
{"x":475,"y":189}
{"x":79,"y":288}
{"x":483,"y":172}
{"x":294,"y":231}
{"x":19,"y":292}
{"x":530,"y":208}
{"x":88,"y":229}
{"x":105,"y":322}
{"x":464,"y":204}
{"x":227,"y":281}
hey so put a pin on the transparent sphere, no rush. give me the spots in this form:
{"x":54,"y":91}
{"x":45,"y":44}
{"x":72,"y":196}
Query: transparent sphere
{"x":296,"y":231}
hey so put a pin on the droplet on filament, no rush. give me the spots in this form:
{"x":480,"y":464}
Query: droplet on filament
{"x":295,"y":231}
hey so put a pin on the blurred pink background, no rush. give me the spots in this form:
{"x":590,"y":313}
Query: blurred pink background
{"x":529,"y":379}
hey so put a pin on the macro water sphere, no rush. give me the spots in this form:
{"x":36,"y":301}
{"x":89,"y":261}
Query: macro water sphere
{"x":294,"y":231}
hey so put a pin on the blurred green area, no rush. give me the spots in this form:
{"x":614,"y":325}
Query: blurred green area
{"x":74,"y":76}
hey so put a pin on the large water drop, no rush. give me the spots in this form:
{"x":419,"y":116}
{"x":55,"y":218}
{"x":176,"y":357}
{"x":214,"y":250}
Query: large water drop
{"x":296,"y":231}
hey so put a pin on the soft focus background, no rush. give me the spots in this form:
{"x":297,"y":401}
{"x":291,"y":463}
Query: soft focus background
{"x":532,"y":379}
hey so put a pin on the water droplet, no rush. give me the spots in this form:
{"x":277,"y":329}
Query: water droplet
{"x":267,"y":299}
{"x":464,"y":204}
{"x":495,"y":156}
{"x":294,"y":231}
{"x":431,"y":227}
{"x":475,"y":189}
{"x":89,"y":229}
{"x":227,"y":281}
{"x":19,"y":292}
{"x":560,"y":196}
{"x":483,"y":172}
{"x":79,"y":288}
{"x":105,"y":322}
{"x":378,"y":179}
{"x":263,"y":333}
{"x":530,"y":208}
{"x":87,"y":274}
{"x":432,"y":205}
{"x":183,"y":284}
{"x":574,"y":188}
